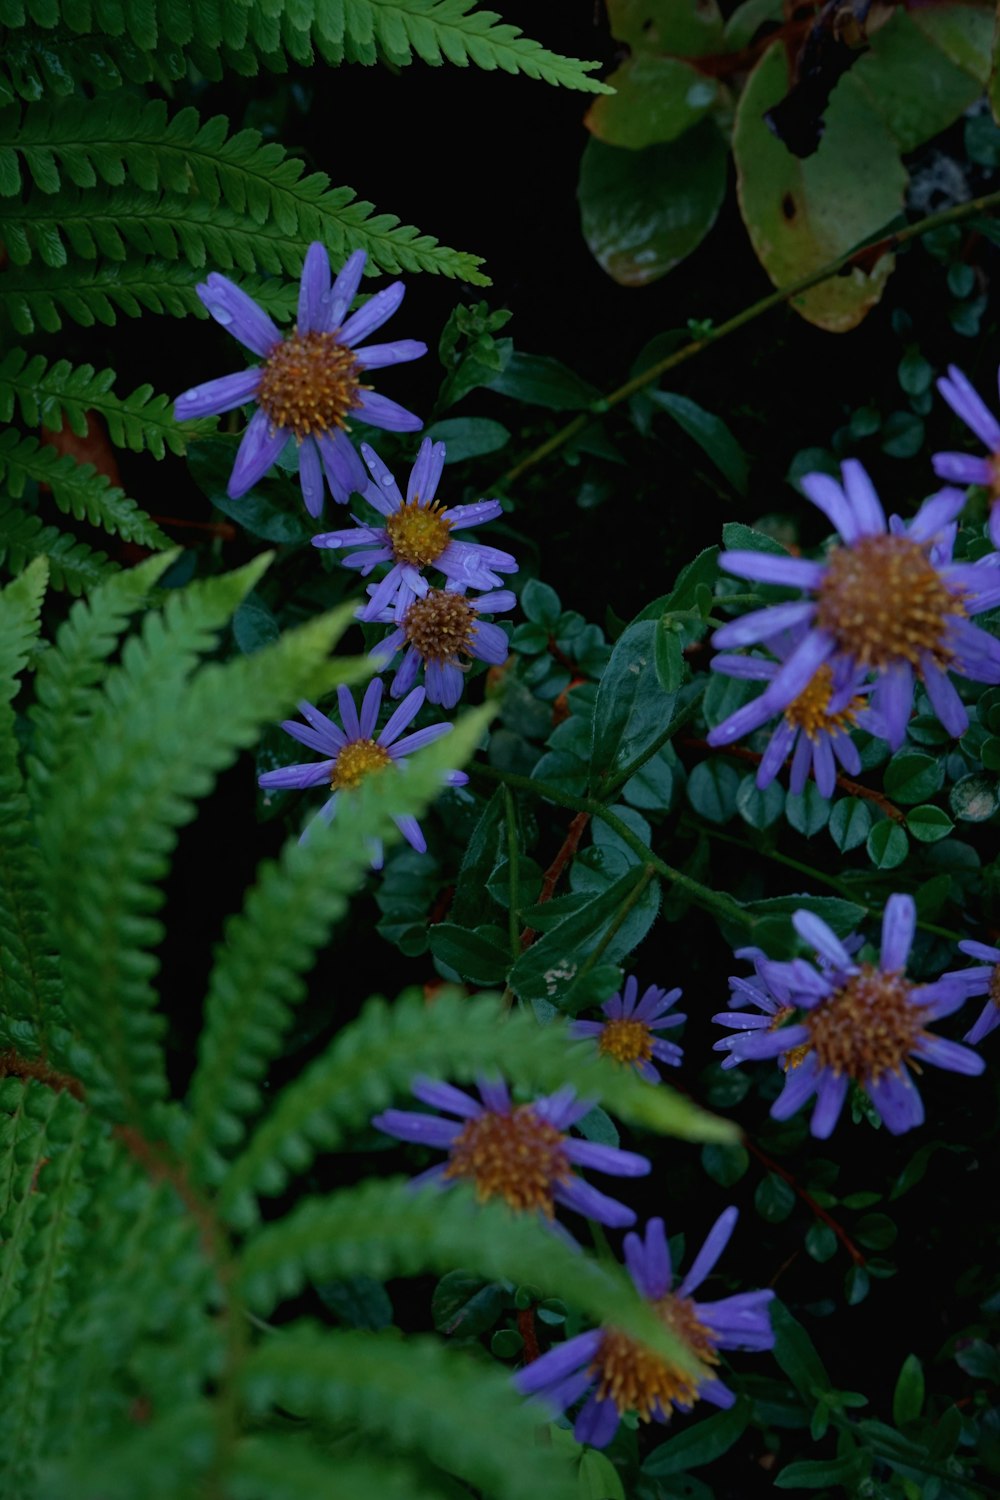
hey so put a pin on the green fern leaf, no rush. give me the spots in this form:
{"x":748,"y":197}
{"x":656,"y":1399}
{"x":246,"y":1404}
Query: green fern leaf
{"x":265,"y":1469}
{"x":72,"y":565}
{"x":31,"y":297}
{"x":158,"y":738}
{"x":111,"y":222}
{"x":417,"y":1396}
{"x":375,"y":1057}
{"x":168,"y":1458}
{"x":286,"y":919}
{"x":386,"y":1229}
{"x":41,"y":1239}
{"x":65,"y":702}
{"x":77,"y":489}
{"x":28,"y":972}
{"x":46,"y":394}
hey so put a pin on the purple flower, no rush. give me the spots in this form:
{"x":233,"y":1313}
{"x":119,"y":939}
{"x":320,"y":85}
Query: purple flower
{"x":981,"y":981}
{"x":518,"y":1152}
{"x":436,"y":630}
{"x":628,"y":1033}
{"x":352,"y":753}
{"x":888,"y":601}
{"x":859,"y":1022}
{"x":310,"y":381}
{"x":962,"y":468}
{"x":618,"y":1374}
{"x":416,"y":535}
{"x":814,"y":728}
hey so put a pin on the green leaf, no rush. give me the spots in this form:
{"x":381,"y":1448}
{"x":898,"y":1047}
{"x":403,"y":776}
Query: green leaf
{"x":773,"y":926}
{"x":796,"y":1354}
{"x":850,"y":822}
{"x":272,"y":1468}
{"x":712,"y":789}
{"x":643,"y":212}
{"x":908,"y":1397}
{"x":656,"y":99}
{"x":462,"y":1304}
{"x":273,"y":513}
{"x":466,"y":1416}
{"x":597,"y":1477}
{"x":672,"y":26}
{"x":701,"y":1443}
{"x":539,"y":380}
{"x":725,"y":1164}
{"x":475,"y":955}
{"x":710,"y":433}
{"x":632,"y":707}
{"x":821,"y":1242}
{"x":804,"y":212}
{"x":77,"y":489}
{"x":740,"y":538}
{"x":887,"y":845}
{"x":910,"y":82}
{"x":774,"y":1199}
{"x":808,"y":811}
{"x":817,"y":1473}
{"x":760,"y":808}
{"x":468,"y":437}
{"x":964,"y":33}
{"x":929,"y":824}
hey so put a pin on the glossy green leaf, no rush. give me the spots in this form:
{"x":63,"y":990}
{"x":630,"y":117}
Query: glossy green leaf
{"x":803,"y":213}
{"x":710,"y":433}
{"x":964,"y":33}
{"x":468,"y":437}
{"x":700,"y":1443}
{"x":539,"y":380}
{"x":796,"y":1353}
{"x":643,"y":212}
{"x":850,"y":821}
{"x":712,"y":788}
{"x":887,"y":845}
{"x":725,"y":1164}
{"x":928,"y":824}
{"x":632,"y":707}
{"x":476,"y":955}
{"x":683,"y":28}
{"x":912,"y":776}
{"x":656,"y":99}
{"x":808,"y":811}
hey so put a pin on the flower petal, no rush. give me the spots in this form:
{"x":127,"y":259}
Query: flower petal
{"x":259,"y":448}
{"x":215,"y":396}
{"x":238,"y":313}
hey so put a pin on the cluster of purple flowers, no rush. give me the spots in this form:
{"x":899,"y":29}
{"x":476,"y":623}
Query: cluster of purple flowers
{"x":886,"y":608}
{"x":309,"y":384}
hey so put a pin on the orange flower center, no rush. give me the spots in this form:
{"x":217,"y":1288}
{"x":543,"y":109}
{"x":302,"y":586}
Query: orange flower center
{"x":867,"y":1027}
{"x":356,"y":761}
{"x":309,"y":384}
{"x":515,"y":1156}
{"x":418,"y":533}
{"x":810,"y":711}
{"x":627,"y":1041}
{"x":995,"y":986}
{"x":440,"y":625}
{"x":883,"y":601}
{"x":636,"y":1379}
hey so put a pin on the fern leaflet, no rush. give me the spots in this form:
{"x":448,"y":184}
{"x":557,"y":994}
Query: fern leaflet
{"x":72,"y":564}
{"x":77,"y":489}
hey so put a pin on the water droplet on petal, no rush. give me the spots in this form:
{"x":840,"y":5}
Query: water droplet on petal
{"x":387,"y":481}
{"x":222,"y":315}
{"x":187,"y":397}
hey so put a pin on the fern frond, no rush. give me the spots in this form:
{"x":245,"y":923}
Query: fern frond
{"x":28,"y":972}
{"x":72,"y":565}
{"x":31,"y":297}
{"x":286,"y":918}
{"x":265,"y":1469}
{"x":437,"y":31}
{"x":167,"y":1458}
{"x":385,"y":1229}
{"x":45,"y":1236}
{"x":416,"y":1396}
{"x":158,"y":739}
{"x":47,"y":394}
{"x":374,"y":1058}
{"x":107,"y":221}
{"x":64,"y":700}
{"x":77,"y":489}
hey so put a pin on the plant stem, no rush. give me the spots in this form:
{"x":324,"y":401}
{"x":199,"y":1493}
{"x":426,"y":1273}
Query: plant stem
{"x":890,"y":241}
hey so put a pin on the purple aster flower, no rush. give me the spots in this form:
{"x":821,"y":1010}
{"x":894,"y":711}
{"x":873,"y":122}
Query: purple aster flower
{"x":628,"y":1034}
{"x":436,"y":630}
{"x":981,"y":981}
{"x":310,"y":381}
{"x":864,"y":1023}
{"x":963,"y":468}
{"x":773,"y":998}
{"x":519,"y":1152}
{"x":352,"y":753}
{"x":618,"y":1374}
{"x":416,"y":534}
{"x":888,"y":601}
{"x":814,"y":728}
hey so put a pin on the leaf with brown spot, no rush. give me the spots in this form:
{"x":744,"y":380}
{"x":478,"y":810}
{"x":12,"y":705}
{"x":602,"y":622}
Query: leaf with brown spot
{"x":656,"y":99}
{"x":682,"y":28}
{"x":801,"y":214}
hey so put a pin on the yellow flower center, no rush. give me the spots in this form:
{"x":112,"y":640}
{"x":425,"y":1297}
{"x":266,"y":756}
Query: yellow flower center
{"x":883,"y":601}
{"x":994,"y":485}
{"x":867,"y":1027}
{"x":418,"y":533}
{"x":636,"y":1379}
{"x":440,"y":625}
{"x":627,"y":1041}
{"x":309,"y":383}
{"x":810,"y":711}
{"x":356,"y":761}
{"x":995,"y":986}
{"x":515,"y":1156}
